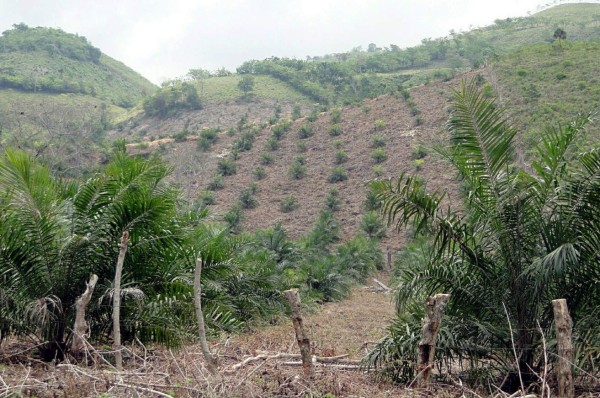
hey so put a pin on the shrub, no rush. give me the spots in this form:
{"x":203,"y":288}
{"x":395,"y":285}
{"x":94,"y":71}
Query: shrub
{"x":378,"y":141}
{"x":379,"y":124}
{"x":203,"y":144}
{"x":234,"y":154}
{"x":296,"y":112}
{"x":337,"y":144}
{"x":266,"y":158}
{"x":371,"y":202}
{"x":290,"y":203}
{"x":487,"y":90}
{"x":181,"y":136}
{"x":297,"y":171}
{"x":305,"y":131}
{"x":378,"y":170}
{"x":210,"y":135}
{"x":419,"y":152}
{"x":419,"y":120}
{"x":301,"y":146}
{"x":325,"y":231}
{"x":314,"y":114}
{"x":231,"y":132}
{"x":259,"y":173}
{"x":332,"y":202}
{"x":233,"y":218}
{"x":227,"y":167}
{"x":247,"y":199}
{"x":340,"y":157}
{"x":273,"y":144}
{"x":281,"y":128}
{"x":300,"y":159}
{"x":372,"y":225}
{"x":217,"y":182}
{"x":418,"y":163}
{"x":378,"y":155}
{"x":338,"y":174}
{"x":335,"y":130}
{"x":245,"y":142}
{"x":336,"y":115}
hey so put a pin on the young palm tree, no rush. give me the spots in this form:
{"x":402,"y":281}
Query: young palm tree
{"x":526,"y":236}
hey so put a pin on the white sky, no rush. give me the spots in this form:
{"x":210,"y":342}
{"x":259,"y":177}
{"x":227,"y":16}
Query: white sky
{"x":165,"y":38}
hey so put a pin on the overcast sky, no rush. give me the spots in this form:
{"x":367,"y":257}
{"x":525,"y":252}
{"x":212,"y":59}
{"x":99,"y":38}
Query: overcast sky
{"x":165,"y":38}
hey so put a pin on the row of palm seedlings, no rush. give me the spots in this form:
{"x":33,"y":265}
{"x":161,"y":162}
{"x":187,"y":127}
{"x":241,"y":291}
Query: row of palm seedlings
{"x":524,"y":236}
{"x":55,"y":234}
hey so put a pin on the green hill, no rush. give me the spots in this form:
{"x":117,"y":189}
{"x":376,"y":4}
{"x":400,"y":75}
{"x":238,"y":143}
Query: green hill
{"x":52,"y":61}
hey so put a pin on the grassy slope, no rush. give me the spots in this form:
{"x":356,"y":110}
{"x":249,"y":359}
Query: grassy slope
{"x":546,"y":84}
{"x":221,"y":89}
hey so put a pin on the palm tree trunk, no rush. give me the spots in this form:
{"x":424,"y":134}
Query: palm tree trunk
{"x":211,"y":362}
{"x":116,"y":318}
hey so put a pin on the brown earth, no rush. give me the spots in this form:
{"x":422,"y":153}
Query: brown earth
{"x":193,"y":168}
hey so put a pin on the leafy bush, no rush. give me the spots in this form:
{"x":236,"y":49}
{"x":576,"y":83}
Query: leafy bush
{"x":338,"y":174}
{"x":378,"y":141}
{"x":259,"y":173}
{"x":378,"y":155}
{"x":288,"y":204}
{"x":297,"y":171}
{"x":332,"y":202}
{"x":273,"y":144}
{"x":244,"y":143}
{"x":301,"y":146}
{"x":341,"y":157}
{"x":266,"y":158}
{"x":247,"y":199}
{"x":234,"y":218}
{"x":372,"y":225}
{"x":418,"y":163}
{"x":336,"y":115}
{"x":172,"y":98}
{"x":296,"y":112}
{"x":379,"y":124}
{"x":335,"y":130}
{"x":305,"y":131}
{"x":216,"y":182}
{"x":419,"y":152}
{"x":372,"y":202}
{"x":314,"y":114}
{"x":226,"y":167}
{"x":378,"y":170}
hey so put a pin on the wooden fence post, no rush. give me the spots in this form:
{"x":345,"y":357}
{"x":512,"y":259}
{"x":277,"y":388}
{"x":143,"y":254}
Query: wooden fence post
{"x":293,"y":296}
{"x":434,"y":307}
{"x":564,"y":325}
{"x":389,"y":258}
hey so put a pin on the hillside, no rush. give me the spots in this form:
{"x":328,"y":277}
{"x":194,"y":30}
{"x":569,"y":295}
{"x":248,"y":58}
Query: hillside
{"x":538,"y":80}
{"x":58,"y":94}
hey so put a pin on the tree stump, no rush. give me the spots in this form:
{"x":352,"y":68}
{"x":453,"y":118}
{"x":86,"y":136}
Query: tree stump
{"x":80,"y":327}
{"x":564,"y":325}
{"x":293,"y":297}
{"x":434,"y":307}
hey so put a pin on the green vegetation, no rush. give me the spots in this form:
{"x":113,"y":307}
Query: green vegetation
{"x":289,"y":204}
{"x":378,"y":141}
{"x":297,"y":170}
{"x":524,"y":237}
{"x":246,"y":85}
{"x":305,"y":131}
{"x":332,"y":202}
{"x":378,"y":155}
{"x":266,"y":158}
{"x":53,"y":61}
{"x":226,"y":167}
{"x":379,"y":124}
{"x":172,"y":97}
{"x":372,"y":225}
{"x":259,"y":173}
{"x":338,"y":174}
{"x":217,"y":182}
{"x":336,"y":116}
{"x":341,"y":157}
{"x":247,"y":199}
{"x":335,"y":130}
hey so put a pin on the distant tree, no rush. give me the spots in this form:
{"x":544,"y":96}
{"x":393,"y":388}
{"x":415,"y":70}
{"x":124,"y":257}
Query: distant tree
{"x":560,"y":35}
{"x":246,"y":85}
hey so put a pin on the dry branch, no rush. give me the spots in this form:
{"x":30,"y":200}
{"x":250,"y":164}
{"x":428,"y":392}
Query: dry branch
{"x":382,"y":286}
